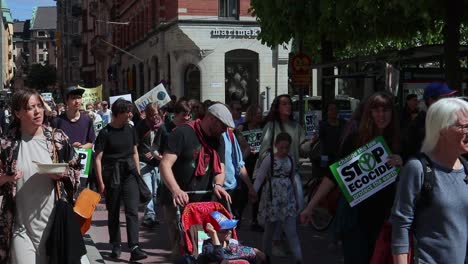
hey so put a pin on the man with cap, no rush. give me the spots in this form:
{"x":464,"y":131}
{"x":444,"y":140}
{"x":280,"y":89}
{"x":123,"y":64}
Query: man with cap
{"x":193,"y":160}
{"x":417,"y":128}
{"x":77,"y":125}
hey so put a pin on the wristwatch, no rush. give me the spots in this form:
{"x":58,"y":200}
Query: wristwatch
{"x":214,"y":185}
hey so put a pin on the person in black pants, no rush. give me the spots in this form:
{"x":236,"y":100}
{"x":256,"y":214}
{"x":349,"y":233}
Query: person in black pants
{"x":117,"y":166}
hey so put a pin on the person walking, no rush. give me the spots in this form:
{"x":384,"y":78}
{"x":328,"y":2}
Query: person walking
{"x":437,"y":214}
{"x":23,"y":228}
{"x":117,"y":166}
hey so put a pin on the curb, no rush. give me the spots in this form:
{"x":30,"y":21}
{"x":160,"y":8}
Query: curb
{"x":91,"y":251}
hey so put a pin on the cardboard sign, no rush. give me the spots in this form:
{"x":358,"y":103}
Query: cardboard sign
{"x":127,"y":97}
{"x":47,"y":97}
{"x":158,"y":94}
{"x":91,"y":95}
{"x":84,"y":156}
{"x":311,"y":122}
{"x":254,"y":138}
{"x":365,"y":171}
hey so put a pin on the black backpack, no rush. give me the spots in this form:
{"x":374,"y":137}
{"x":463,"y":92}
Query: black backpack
{"x":425,"y":195}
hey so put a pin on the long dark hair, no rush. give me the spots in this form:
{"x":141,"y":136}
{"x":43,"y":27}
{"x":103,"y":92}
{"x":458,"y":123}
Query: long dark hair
{"x":19,"y":101}
{"x":367,"y":128}
{"x":274,"y":114}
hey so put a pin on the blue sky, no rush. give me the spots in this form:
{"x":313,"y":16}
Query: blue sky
{"x":22,"y":9}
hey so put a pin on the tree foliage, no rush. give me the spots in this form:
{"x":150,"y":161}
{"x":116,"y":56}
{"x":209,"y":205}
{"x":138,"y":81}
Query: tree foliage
{"x":41,"y":76}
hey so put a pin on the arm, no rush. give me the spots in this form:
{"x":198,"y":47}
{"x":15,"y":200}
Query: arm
{"x":262,"y":173}
{"x":245,"y":178}
{"x":218,"y":183}
{"x":409,"y":186}
{"x":324,"y":188}
{"x":87,"y":145}
{"x":400,"y":259}
{"x":98,"y":169}
{"x":179,"y":196}
{"x":136,"y":158}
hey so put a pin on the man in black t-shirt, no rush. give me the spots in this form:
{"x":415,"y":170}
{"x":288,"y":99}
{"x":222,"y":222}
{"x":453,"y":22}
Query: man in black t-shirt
{"x":183,"y":170}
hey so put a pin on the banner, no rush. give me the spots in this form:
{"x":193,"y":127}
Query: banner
{"x":158,"y":94}
{"x":127,"y":97}
{"x":311,"y":122}
{"x":91,"y":95}
{"x":365,"y":171}
{"x":254,"y":138}
{"x":84,"y":155}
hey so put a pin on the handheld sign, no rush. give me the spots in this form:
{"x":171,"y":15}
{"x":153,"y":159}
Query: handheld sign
{"x":254,"y":139}
{"x":311,"y":122}
{"x":158,"y":94}
{"x":84,"y":155}
{"x":365,"y":171}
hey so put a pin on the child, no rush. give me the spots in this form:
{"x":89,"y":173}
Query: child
{"x":278,"y":208}
{"x":221,"y":246}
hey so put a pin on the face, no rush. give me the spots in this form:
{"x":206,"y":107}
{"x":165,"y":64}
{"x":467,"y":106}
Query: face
{"x":224,"y":235}
{"x":412,"y":103}
{"x":183,"y":117}
{"x":332,"y":111}
{"x":282,"y":148}
{"x":74,"y":101}
{"x":33,"y":115}
{"x":236,"y":111}
{"x":381,"y":116}
{"x":284,"y":107}
{"x":89,"y":108}
{"x":258,"y":115}
{"x":455,"y":137}
{"x":153,"y":118}
{"x":216,"y":127}
{"x":104,"y":106}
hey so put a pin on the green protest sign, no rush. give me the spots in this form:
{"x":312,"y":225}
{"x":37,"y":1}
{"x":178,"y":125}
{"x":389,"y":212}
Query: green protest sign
{"x":254,"y":139}
{"x":365,"y":171}
{"x":84,"y":155}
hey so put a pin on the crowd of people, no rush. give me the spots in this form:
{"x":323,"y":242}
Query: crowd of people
{"x":187,"y":146}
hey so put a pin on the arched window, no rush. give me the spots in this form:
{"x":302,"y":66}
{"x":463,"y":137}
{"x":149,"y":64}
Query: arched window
{"x":192,"y":82}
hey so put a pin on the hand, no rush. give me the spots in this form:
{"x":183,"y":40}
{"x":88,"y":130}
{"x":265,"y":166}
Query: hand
{"x":180,"y":197}
{"x":55,"y":176}
{"x":149,"y":155}
{"x":220,"y":192}
{"x":102,"y":188}
{"x":76,"y":144}
{"x":306,"y":216}
{"x":210,"y":229}
{"x":253,"y":196}
{"x":10,"y":178}
{"x":158,"y":156}
{"x":394,"y":160}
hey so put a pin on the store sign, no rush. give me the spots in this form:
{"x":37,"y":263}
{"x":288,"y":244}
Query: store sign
{"x":235,"y":33}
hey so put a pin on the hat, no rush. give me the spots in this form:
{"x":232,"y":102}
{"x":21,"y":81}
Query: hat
{"x":221,"y":112}
{"x":437,"y":89}
{"x":220,"y":221}
{"x":72,"y":90}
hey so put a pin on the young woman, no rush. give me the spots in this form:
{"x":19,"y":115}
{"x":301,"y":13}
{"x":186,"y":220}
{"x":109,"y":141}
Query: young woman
{"x":117,"y":166}
{"x":24,"y":190}
{"x":360,"y":225}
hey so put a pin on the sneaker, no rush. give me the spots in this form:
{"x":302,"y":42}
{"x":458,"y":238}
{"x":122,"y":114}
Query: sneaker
{"x":116,"y":251}
{"x":137,"y":254}
{"x":150,"y":223}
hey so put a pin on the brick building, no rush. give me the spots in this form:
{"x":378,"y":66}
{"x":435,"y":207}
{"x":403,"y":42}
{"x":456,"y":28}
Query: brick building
{"x":204,"y":49}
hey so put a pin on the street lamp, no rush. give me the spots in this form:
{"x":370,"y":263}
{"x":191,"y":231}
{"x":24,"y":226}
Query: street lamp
{"x":113,"y":22}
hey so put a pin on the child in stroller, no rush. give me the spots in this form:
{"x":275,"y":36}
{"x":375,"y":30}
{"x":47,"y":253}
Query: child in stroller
{"x":192,"y":224}
{"x":221,"y":246}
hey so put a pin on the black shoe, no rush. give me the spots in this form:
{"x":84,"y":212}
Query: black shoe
{"x":116,"y":251}
{"x":137,"y":254}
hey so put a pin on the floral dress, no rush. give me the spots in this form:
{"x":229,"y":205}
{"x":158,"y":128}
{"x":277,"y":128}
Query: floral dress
{"x":281,"y":204}
{"x":57,"y":145}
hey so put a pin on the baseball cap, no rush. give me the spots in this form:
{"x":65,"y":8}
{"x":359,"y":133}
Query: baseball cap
{"x":72,"y":90}
{"x":222,"y":113}
{"x":438,"y":89}
{"x":220,"y":221}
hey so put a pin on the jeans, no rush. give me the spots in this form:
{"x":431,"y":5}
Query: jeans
{"x":152,"y":179}
{"x":289,"y":229}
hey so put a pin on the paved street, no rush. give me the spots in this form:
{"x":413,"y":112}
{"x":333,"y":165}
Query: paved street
{"x":317,"y":247}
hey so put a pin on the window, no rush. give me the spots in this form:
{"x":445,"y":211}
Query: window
{"x":41,"y":57}
{"x":41,"y":34}
{"x":229,"y":8}
{"x":40,"y":45}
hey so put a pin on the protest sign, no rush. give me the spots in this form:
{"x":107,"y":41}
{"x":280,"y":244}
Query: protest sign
{"x":311,"y":122}
{"x":158,"y":94}
{"x":84,"y":155}
{"x":127,"y":97}
{"x":365,"y":171}
{"x":47,"y":97}
{"x":254,"y":139}
{"x":91,"y":95}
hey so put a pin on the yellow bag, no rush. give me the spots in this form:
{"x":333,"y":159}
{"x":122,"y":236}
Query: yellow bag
{"x":85,"y":205}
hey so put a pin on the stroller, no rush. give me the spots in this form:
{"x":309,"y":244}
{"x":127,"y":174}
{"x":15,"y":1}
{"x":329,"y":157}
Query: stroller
{"x":190,"y":226}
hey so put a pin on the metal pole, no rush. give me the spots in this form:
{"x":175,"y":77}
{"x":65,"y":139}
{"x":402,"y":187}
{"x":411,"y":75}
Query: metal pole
{"x":276,"y":69}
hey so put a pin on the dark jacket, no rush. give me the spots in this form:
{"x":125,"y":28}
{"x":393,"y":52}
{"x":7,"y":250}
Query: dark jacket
{"x":145,"y":145}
